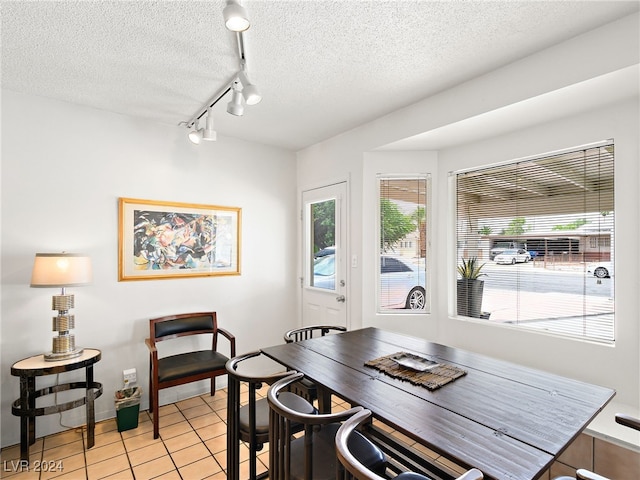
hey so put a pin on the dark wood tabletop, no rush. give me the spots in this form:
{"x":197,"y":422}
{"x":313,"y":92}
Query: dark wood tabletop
{"x":508,"y":420}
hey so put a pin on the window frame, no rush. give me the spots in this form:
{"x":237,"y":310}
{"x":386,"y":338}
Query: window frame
{"x":427,"y":177}
{"x":601,"y":242}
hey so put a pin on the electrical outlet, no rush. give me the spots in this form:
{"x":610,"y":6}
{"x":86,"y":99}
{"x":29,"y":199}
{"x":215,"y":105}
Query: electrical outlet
{"x":130,"y":377}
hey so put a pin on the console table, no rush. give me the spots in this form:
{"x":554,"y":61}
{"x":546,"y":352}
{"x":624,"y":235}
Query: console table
{"x":25,"y":407}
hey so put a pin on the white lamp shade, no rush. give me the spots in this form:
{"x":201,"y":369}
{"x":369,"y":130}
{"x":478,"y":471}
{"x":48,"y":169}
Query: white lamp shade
{"x":235,"y":17}
{"x":195,"y":136}
{"x":251,"y":94}
{"x":61,"y":270}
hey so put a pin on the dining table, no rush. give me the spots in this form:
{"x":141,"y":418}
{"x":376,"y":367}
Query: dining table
{"x":508,"y":420}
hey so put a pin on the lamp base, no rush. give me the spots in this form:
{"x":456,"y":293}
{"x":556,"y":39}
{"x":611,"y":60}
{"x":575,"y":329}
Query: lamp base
{"x":54,"y":356}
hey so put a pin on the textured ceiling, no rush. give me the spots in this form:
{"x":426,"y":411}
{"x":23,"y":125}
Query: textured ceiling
{"x":323,"y":66}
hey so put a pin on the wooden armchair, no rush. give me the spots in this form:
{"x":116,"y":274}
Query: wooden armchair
{"x":187,"y":367}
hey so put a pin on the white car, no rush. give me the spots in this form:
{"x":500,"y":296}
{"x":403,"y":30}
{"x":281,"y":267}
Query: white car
{"x":601,"y":269}
{"x":511,"y":257}
{"x":402,"y":285}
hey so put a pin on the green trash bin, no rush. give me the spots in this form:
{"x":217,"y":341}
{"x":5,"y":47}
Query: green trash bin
{"x":127,"y":408}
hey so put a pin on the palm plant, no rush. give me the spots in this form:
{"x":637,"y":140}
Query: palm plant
{"x":471,"y":269}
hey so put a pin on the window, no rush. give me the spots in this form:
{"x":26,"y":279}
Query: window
{"x":403,"y":244}
{"x":541,"y":227}
{"x":322,"y":238}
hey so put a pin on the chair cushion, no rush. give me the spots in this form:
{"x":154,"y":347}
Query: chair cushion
{"x":291,"y":400}
{"x":187,"y":364}
{"x":324,"y":453}
{"x":306,"y":383}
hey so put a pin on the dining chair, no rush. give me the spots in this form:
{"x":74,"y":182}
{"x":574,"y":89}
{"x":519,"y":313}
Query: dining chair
{"x":250,"y":422}
{"x":306,"y":387}
{"x":312,"y":331}
{"x":312,"y":455}
{"x":583,"y":474}
{"x":189,"y":366}
{"x":350,"y":467}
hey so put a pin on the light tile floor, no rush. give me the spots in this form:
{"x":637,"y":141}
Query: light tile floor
{"x":192,"y":446}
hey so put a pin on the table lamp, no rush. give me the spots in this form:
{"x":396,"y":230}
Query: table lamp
{"x":62,"y":270}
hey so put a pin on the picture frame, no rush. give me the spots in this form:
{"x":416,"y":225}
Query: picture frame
{"x":166,"y":240}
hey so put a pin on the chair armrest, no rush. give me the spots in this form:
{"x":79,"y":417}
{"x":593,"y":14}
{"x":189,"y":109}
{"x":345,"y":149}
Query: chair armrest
{"x":231,"y":338}
{"x":582,"y":474}
{"x":473,"y":474}
{"x":628,"y":421}
{"x":152,"y":348}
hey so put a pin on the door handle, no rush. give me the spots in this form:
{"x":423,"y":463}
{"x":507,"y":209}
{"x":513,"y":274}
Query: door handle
{"x":341,"y":298}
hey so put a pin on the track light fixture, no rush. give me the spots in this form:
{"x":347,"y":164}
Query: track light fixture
{"x":236,"y":105}
{"x":242,"y":90}
{"x":209,"y":134}
{"x":235,"y":16}
{"x":195,"y":135}
{"x":250,"y":92}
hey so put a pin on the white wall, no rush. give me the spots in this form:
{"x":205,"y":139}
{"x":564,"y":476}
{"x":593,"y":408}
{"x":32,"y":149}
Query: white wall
{"x":63,"y":169}
{"x":558,"y":72}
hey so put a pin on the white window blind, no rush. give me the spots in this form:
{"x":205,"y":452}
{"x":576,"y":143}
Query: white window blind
{"x":403,"y":243}
{"x":541,"y":227}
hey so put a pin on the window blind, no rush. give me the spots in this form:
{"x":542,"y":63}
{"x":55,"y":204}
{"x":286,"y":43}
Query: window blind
{"x":403,"y":245}
{"x":541,"y":227}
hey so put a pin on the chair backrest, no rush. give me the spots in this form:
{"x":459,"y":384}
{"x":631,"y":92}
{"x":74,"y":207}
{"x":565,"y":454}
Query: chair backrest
{"x":249,"y":423}
{"x":174,"y":326}
{"x":352,"y":468}
{"x":253,"y":376}
{"x":305,"y":333}
{"x":281,"y":422}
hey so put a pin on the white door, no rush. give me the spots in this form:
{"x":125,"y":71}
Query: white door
{"x":324,"y":279}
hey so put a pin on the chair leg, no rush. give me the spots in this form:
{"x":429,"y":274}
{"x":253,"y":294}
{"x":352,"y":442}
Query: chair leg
{"x":156,"y":414}
{"x":324,"y":400}
{"x":150,"y":390}
{"x":213,"y":386}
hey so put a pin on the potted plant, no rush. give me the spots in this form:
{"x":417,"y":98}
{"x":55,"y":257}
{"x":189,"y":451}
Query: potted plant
{"x":470,"y":288}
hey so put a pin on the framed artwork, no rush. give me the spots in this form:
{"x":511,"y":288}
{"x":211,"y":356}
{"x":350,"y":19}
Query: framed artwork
{"x":163,"y":240}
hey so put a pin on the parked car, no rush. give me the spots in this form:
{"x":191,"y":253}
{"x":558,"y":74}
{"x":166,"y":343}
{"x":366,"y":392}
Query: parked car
{"x":401,"y":285}
{"x":511,"y":257}
{"x":325,"y":251}
{"x":500,"y":247}
{"x":324,"y":272}
{"x":601,"y":269}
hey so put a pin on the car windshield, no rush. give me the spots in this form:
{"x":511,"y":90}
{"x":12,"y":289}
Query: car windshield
{"x":324,"y":266}
{"x":509,"y":252}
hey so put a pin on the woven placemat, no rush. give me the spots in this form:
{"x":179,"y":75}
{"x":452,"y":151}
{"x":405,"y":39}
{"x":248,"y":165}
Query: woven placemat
{"x":432,"y":379}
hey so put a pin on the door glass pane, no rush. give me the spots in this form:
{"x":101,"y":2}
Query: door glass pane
{"x":323,"y":244}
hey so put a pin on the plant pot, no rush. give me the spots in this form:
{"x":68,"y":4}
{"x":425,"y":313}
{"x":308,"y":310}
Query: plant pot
{"x":469,"y":294}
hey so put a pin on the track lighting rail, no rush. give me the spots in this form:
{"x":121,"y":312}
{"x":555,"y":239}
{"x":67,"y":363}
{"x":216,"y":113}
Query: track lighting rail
{"x":235,"y":17}
{"x":212,"y":101}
